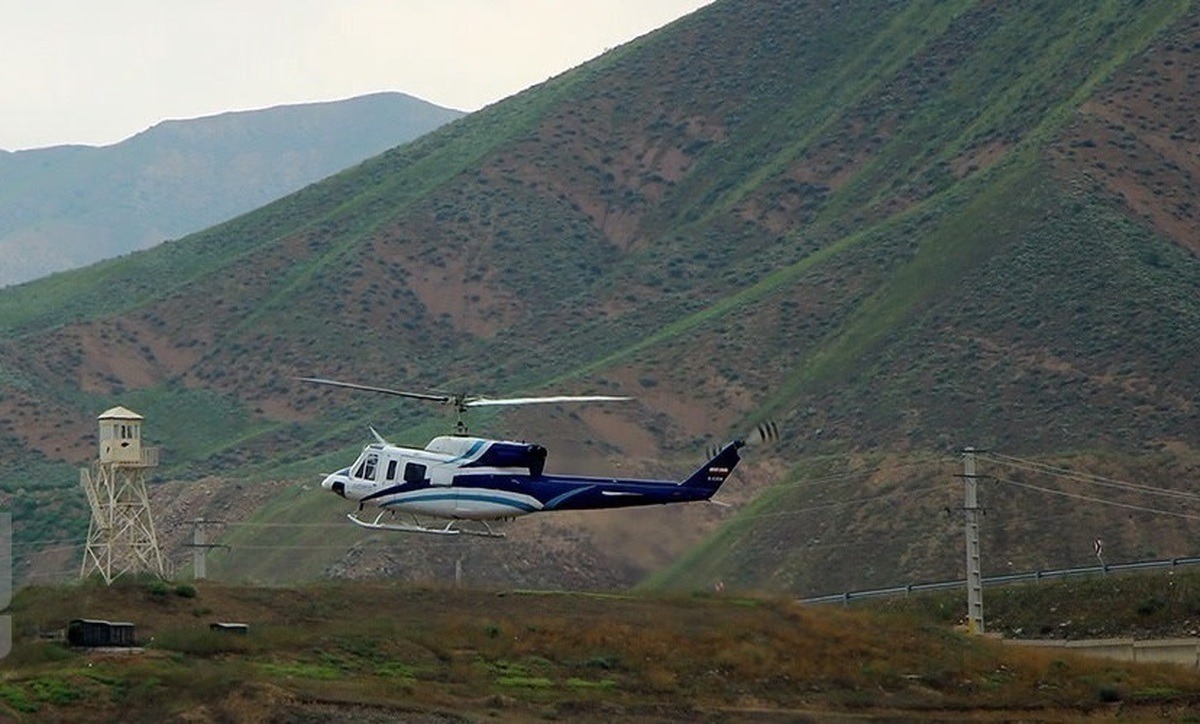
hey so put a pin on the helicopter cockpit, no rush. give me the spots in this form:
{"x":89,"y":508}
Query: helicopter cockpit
{"x":367,"y":463}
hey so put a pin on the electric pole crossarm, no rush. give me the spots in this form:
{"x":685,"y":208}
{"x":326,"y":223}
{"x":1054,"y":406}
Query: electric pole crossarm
{"x":200,"y":546}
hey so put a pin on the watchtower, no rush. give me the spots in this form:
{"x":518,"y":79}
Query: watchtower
{"x":121,"y":537}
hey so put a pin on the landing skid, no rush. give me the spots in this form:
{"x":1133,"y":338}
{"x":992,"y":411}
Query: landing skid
{"x":416,"y":527}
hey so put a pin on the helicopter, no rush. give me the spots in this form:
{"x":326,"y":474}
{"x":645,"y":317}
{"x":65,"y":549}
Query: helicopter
{"x":459,"y":477}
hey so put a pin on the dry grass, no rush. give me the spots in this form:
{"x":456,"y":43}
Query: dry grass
{"x":336,"y":649}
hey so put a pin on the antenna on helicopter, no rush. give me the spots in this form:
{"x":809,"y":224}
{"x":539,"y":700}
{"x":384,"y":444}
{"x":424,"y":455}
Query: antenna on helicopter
{"x":462,"y":401}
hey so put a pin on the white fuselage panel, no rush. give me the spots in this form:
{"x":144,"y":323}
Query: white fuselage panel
{"x":468,"y":503}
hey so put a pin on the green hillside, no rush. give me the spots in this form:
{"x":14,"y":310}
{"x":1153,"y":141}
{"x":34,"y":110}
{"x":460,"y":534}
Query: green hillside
{"x":896,"y":228}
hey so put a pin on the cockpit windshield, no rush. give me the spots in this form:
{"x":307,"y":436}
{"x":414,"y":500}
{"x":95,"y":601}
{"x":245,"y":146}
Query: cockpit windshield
{"x":366,"y":466}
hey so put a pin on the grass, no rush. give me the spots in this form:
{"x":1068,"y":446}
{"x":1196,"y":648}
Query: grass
{"x":1152,"y":605}
{"x":819,"y":105}
{"x":948,"y":249}
{"x":469,"y":652}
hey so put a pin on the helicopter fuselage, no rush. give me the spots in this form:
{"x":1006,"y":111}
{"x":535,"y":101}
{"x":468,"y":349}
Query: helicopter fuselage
{"x":469,"y":478}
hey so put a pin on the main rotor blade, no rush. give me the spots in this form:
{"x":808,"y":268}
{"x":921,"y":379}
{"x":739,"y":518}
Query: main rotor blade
{"x":484,"y":401}
{"x":462,"y":401}
{"x":384,"y":390}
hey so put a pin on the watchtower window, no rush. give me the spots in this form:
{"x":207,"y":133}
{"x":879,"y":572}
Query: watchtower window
{"x":119,"y":431}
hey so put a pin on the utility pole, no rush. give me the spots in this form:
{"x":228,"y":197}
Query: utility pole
{"x":200,"y":547}
{"x":974,"y":566}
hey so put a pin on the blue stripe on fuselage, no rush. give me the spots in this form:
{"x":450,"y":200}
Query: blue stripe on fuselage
{"x":393,"y":490}
{"x":578,"y":493}
{"x":554,"y":503}
{"x":470,"y":451}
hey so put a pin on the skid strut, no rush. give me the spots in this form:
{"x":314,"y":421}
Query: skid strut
{"x":417,"y":527}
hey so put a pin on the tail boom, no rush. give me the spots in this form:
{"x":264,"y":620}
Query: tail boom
{"x":710,"y":476}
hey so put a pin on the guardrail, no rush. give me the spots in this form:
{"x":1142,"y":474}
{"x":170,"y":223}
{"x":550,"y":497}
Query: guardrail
{"x":1181,"y":651}
{"x":1057,"y":573}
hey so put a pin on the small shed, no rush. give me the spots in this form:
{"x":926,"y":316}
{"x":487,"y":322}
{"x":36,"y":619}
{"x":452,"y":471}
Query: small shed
{"x":230,"y":627}
{"x":94,"y":632}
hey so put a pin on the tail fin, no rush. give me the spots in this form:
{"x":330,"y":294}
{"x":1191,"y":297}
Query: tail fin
{"x":710,"y":475}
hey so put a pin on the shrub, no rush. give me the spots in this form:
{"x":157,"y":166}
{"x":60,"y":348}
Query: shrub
{"x":39,"y":652}
{"x":16,"y":697}
{"x":200,"y":642}
{"x":1151,"y":606}
{"x":55,"y":690}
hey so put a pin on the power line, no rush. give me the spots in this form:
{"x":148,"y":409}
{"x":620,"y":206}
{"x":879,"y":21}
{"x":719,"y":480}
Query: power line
{"x":1093,"y":499}
{"x":839,"y":504}
{"x":34,"y":554}
{"x":1033,"y":466}
{"x":857,"y":475}
{"x":251,"y":524}
{"x":38,"y":542}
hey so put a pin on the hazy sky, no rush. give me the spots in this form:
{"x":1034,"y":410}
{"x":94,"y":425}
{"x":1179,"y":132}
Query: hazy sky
{"x":98,"y":71}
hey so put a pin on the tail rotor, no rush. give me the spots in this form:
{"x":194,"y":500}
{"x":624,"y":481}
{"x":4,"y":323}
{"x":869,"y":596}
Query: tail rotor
{"x":763,"y":433}
{"x":767,"y":432}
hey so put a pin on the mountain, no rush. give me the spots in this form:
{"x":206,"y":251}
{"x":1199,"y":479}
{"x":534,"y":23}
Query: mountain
{"x":896,"y":228}
{"x":67,"y":206}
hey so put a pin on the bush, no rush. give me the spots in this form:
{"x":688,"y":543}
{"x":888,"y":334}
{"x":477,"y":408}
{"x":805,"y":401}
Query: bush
{"x":55,"y":690}
{"x":1151,"y":606}
{"x":16,"y":697}
{"x":200,"y":642}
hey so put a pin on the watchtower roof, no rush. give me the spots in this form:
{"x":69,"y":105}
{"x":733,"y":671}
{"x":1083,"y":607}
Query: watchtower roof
{"x":120,"y":413}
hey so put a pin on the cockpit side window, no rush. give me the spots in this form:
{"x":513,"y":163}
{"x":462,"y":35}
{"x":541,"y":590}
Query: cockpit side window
{"x":414,"y":473}
{"x":391,"y":471}
{"x":366,"y":469}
